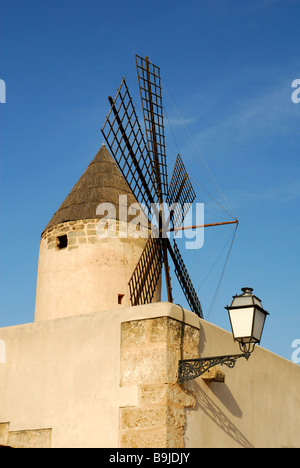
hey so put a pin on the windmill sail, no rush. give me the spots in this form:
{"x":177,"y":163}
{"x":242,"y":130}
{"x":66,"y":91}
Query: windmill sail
{"x":150,"y":90}
{"x":144,"y":280}
{"x":151,"y":97}
{"x":127,"y":144}
{"x":184,"y":279}
{"x":180,"y":194}
{"x":142,"y":163}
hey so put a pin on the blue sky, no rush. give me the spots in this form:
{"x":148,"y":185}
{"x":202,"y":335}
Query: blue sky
{"x":227,"y":69}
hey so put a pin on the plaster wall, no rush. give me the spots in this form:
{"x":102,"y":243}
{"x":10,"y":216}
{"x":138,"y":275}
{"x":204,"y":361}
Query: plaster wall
{"x":256,"y":407}
{"x":64,"y":375}
{"x":108,"y":379}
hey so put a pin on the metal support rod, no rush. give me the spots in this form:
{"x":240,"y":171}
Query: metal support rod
{"x":182,"y":228}
{"x":189,"y":369}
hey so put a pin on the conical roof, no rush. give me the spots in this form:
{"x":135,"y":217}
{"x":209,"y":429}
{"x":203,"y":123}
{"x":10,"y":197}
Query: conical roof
{"x":101,"y":182}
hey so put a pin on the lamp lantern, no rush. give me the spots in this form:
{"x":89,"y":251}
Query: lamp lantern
{"x":247,"y":318}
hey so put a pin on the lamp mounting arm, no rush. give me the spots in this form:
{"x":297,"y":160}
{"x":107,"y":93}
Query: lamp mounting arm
{"x":189,"y":369}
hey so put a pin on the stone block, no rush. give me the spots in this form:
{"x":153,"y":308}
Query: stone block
{"x":153,"y":395}
{"x":78,"y":227}
{"x":175,"y":417}
{"x":147,"y":438}
{"x":151,"y":349}
{"x":176,"y":395}
{"x":143,"y":418}
{"x":191,"y":338}
{"x":40,"y":438}
{"x":214,"y":375}
{"x":92,"y":240}
{"x":133,"y":334}
{"x":63,"y":228}
{"x":76,"y":234}
{"x":144,"y":366}
{"x":174,"y":439}
{"x":4,"y":428}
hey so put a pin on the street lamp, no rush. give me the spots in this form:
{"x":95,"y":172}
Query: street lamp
{"x":247,"y":319}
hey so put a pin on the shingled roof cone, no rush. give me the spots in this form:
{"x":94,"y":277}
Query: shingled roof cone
{"x":81,"y":270}
{"x":102,"y":182}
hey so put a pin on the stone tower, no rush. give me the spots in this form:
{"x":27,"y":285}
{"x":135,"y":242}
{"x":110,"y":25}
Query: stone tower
{"x":80,"y":271}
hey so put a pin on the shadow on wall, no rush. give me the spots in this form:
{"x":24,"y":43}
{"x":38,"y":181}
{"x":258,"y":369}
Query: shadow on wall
{"x":210,"y":408}
{"x":206,"y":405}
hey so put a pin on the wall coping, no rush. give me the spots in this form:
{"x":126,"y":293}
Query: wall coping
{"x":126,"y":314}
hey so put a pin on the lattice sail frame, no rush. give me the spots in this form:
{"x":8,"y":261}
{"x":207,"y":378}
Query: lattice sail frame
{"x":184,"y":279}
{"x":151,"y":98}
{"x":144,"y":167}
{"x":144,"y":280}
{"x":125,"y":139}
{"x":180,"y":194}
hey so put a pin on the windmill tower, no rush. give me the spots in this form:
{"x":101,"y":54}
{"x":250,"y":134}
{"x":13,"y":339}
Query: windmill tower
{"x":80,"y":271}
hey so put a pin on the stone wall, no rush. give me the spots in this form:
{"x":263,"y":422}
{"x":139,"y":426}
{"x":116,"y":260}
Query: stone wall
{"x":150,"y":351}
{"x":78,"y":232}
{"x":36,"y":438}
{"x":88,"y":231}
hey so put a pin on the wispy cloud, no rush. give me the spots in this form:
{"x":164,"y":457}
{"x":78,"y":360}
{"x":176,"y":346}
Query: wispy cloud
{"x":176,"y":122}
{"x":271,"y":113}
{"x":287,"y":192}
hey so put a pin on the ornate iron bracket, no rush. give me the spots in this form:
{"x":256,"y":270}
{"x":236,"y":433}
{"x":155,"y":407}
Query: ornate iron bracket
{"x":189,"y":369}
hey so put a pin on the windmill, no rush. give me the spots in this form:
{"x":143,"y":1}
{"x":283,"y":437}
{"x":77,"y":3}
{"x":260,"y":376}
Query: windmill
{"x":142,"y":162}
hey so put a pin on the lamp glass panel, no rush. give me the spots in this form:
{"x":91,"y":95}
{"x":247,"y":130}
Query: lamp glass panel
{"x":257,"y":301}
{"x":241,"y":322}
{"x":242,"y":301}
{"x":259,"y":321}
